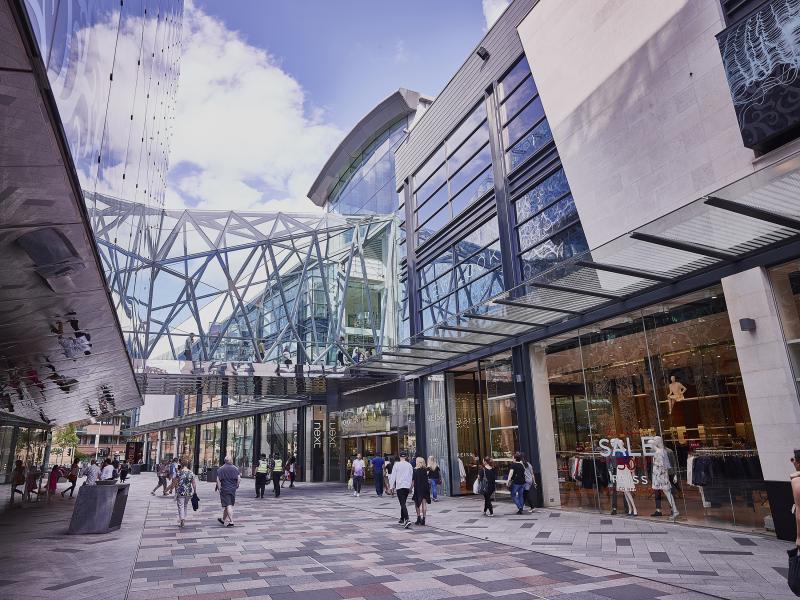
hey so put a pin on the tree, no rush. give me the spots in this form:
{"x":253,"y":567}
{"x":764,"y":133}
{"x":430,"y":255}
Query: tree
{"x":64,"y":439}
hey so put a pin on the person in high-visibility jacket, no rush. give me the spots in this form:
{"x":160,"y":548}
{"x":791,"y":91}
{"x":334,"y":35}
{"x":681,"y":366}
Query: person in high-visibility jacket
{"x":262,"y":472}
{"x":277,"y":471}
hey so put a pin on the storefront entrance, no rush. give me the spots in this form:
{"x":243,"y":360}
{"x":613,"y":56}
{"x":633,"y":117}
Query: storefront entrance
{"x":480,"y":405}
{"x":383,"y":444}
{"x":669,"y":371}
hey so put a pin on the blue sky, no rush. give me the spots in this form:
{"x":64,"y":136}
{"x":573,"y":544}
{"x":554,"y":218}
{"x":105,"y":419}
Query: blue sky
{"x":269,"y":88}
{"x":350,"y":54}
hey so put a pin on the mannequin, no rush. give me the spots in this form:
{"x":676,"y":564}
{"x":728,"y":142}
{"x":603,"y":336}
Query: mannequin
{"x":661,"y":484}
{"x":676,"y":392}
{"x":623,"y":478}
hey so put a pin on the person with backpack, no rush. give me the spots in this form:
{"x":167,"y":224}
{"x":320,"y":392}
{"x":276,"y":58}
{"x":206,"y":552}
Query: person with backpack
{"x":185,"y":484}
{"x":72,"y":478}
{"x":277,"y":470}
{"x":487,"y":478}
{"x":530,"y":484}
{"x":262,"y":472}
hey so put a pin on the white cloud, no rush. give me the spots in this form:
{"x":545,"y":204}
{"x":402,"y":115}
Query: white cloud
{"x":244,"y":135}
{"x":492,"y":9}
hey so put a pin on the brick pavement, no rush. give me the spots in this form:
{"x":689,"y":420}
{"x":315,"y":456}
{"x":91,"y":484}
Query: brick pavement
{"x":317,"y":542}
{"x":722,"y":563}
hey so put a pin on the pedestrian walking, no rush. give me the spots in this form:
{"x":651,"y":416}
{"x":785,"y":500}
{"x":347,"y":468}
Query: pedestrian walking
{"x":530,"y":484}
{"x":161,"y":473}
{"x":228,"y":478}
{"x":434,"y":477}
{"x":291,"y":469}
{"x":422,"y":490}
{"x":72,"y":478}
{"x":358,"y":474}
{"x":400,"y":481}
{"x":487,"y":482}
{"x":124,"y":469}
{"x":516,"y":481}
{"x":377,"y":472}
{"x":172,"y":473}
{"x":389,"y":466}
{"x":262,"y":471}
{"x":277,"y":471}
{"x":185,"y":485}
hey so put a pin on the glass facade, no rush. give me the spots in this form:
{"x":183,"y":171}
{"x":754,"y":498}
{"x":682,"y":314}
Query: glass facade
{"x":168,"y":444}
{"x":461,"y":276}
{"x":240,"y":444}
{"x":548,"y":227}
{"x":471,"y":414}
{"x":367,"y":186}
{"x":383,"y":428}
{"x":669,"y":371}
{"x":457,"y":174}
{"x":186,"y":446}
{"x":525,"y":130}
{"x":279,"y":434}
{"x":210,"y":440}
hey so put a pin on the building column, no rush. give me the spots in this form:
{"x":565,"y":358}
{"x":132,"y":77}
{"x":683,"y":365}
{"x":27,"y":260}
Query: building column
{"x":545,"y":435}
{"x":769,"y":386}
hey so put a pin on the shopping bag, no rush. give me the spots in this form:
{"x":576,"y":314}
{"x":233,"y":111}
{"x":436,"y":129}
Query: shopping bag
{"x":350,"y":484}
{"x":476,"y":487}
{"x":793,"y":577}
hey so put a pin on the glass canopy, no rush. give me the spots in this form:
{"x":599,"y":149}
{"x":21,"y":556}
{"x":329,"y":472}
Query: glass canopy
{"x":742,"y":220}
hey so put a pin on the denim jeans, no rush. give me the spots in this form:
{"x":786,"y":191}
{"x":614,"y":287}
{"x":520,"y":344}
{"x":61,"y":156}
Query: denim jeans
{"x":517,"y":492}
{"x":434,"y":488}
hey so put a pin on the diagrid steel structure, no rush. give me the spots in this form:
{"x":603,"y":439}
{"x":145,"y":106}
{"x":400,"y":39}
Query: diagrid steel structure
{"x":250,"y":286}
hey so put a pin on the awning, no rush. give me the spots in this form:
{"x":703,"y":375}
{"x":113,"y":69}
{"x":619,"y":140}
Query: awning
{"x":742,"y":225}
{"x":246,"y":408}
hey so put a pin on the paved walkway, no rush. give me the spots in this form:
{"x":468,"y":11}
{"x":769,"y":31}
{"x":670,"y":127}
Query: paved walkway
{"x":318,"y":542}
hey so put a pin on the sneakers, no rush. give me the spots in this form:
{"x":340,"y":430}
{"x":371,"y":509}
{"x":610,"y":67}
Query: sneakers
{"x":355,"y":494}
{"x":358,"y":494}
{"x":657,"y":514}
{"x":181,"y":523}
{"x":407,"y":525}
{"x":519,"y":511}
{"x":435,"y":499}
{"x":532,"y":510}
{"x":230,"y":525}
{"x":400,"y":521}
{"x":221,"y":522}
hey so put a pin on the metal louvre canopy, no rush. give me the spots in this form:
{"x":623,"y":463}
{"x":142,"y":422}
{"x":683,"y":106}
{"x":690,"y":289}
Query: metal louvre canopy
{"x":221,"y":413}
{"x":742,"y":225}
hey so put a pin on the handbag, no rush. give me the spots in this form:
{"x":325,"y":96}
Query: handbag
{"x":793,"y":576}
{"x":195,"y":501}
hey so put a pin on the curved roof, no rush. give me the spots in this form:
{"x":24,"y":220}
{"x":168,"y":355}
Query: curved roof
{"x":401,"y":103}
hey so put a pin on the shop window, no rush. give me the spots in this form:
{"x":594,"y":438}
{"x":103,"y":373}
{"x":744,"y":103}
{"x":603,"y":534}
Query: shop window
{"x":668,"y":371}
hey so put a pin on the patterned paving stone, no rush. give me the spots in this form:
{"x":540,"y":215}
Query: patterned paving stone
{"x":316,"y":542}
